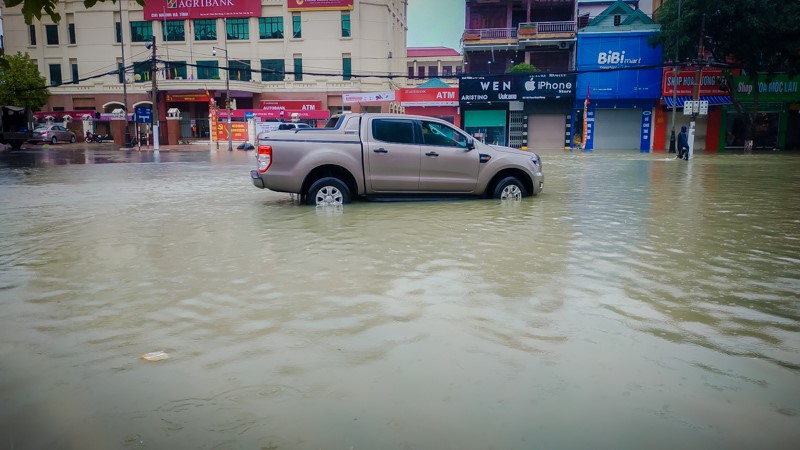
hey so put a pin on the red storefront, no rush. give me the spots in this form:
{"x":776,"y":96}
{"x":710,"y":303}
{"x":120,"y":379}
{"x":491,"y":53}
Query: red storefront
{"x":433,"y":102}
{"x":712,"y":90}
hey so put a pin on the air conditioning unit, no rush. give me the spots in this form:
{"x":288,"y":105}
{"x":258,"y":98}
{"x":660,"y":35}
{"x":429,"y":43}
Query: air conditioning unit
{"x":563,"y":45}
{"x":178,"y":78}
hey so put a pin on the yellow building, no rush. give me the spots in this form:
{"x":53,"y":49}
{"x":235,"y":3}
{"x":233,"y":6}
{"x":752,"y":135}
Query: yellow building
{"x":281,"y":54}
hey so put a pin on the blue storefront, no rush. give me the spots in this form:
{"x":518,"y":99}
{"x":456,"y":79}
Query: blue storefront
{"x":621,"y":74}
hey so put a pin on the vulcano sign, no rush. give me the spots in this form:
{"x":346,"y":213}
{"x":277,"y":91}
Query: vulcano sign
{"x":516,"y":87}
{"x":200,"y":9}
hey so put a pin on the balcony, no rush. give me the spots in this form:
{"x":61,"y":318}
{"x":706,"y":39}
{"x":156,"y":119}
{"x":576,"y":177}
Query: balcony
{"x":524,"y":35}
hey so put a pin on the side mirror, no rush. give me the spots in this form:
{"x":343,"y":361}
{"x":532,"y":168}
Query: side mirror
{"x":470,"y":144}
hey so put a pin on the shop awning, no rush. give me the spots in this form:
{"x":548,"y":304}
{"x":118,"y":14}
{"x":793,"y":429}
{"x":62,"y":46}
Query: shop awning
{"x":711,"y":99}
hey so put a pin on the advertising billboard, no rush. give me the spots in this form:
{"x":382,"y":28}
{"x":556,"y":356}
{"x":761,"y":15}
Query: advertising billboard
{"x":619,"y":66}
{"x":200,"y":9}
{"x":516,"y":87}
{"x":712,"y":82}
{"x":291,"y":104}
{"x":429,"y":97}
{"x":317,"y":5}
{"x":779,"y":88}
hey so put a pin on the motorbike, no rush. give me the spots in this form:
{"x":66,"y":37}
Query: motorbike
{"x":93,"y":137}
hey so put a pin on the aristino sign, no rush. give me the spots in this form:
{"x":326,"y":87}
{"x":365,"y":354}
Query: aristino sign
{"x":200,"y":9}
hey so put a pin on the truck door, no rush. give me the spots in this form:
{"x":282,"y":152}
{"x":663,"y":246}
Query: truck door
{"x":393,"y":156}
{"x":447,"y":165}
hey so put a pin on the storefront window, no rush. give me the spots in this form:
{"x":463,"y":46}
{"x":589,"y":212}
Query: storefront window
{"x":765,"y":132}
{"x":488,"y":127}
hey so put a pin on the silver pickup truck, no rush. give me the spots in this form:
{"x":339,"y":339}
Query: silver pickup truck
{"x":391,"y":155}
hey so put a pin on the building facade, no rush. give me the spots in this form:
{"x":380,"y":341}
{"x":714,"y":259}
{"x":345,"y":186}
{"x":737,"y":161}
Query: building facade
{"x":282,"y":52}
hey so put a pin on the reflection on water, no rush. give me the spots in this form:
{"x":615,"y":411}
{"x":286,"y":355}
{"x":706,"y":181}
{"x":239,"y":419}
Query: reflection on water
{"x":638,"y":302}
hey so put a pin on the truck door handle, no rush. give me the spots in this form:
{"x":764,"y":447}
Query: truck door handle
{"x":432,"y":154}
{"x":381,"y":150}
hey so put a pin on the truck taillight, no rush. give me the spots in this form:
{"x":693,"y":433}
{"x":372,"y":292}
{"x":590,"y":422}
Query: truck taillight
{"x":264,"y":157}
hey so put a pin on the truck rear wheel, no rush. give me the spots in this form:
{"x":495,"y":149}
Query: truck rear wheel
{"x":328,"y":191}
{"x":16,"y":145}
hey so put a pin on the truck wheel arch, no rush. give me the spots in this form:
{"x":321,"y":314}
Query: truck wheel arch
{"x":510,"y":172}
{"x":330,"y":170}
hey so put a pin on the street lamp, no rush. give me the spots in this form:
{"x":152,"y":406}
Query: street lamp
{"x":124,"y":78}
{"x":675,"y":85}
{"x":227,"y":90}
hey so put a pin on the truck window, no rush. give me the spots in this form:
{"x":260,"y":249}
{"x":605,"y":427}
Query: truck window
{"x":393,"y":130}
{"x":434,"y":133}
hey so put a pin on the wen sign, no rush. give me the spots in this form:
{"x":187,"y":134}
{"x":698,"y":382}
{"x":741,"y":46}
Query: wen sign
{"x":319,"y":5}
{"x":200,"y":9}
{"x":429,"y":97}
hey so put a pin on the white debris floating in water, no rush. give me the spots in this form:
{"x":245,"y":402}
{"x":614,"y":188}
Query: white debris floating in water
{"x":155,"y":356}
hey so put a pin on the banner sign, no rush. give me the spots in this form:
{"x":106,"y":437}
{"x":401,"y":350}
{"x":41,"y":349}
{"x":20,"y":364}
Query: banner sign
{"x":647,"y":124}
{"x":588,"y":143}
{"x":712,"y":82}
{"x":368,"y":97}
{"x":264,"y":114}
{"x":428,"y":97}
{"x":291,"y":104}
{"x":319,"y":5}
{"x":238,"y":131}
{"x":619,"y":65}
{"x":188,"y":98}
{"x":779,"y":88}
{"x":543,"y":86}
{"x":200,"y":9}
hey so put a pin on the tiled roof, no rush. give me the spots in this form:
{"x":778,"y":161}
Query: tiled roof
{"x":421,"y":52}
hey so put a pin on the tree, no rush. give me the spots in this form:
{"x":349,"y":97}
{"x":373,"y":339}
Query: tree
{"x":34,"y":8}
{"x":523,"y":68}
{"x":21,"y":84}
{"x":753,"y":36}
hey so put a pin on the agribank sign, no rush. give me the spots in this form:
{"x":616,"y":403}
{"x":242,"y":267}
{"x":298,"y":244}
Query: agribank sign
{"x":200,"y":9}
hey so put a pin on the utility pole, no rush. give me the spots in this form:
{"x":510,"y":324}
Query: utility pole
{"x":675,"y":85}
{"x":228,"y":87}
{"x":154,"y":72}
{"x":696,"y":88}
{"x":124,"y":79}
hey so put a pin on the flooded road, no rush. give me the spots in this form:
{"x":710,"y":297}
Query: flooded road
{"x":638,"y":302}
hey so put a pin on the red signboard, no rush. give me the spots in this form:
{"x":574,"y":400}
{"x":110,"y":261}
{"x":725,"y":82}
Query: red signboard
{"x":188,"y":98}
{"x":711,"y":82}
{"x":200,"y":9}
{"x":238,"y":131}
{"x":291,"y":104}
{"x":429,"y":97}
{"x":307,"y":5}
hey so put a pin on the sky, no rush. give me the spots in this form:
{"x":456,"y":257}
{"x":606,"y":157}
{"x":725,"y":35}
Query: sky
{"x":435,"y":23}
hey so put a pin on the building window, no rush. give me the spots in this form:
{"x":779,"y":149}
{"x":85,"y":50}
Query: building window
{"x":32,"y":34}
{"x":238,"y":29}
{"x":296,"y":29}
{"x":71,"y":32}
{"x":420,"y":72}
{"x":272,"y":69}
{"x":175,"y":70}
{"x":458,"y":70}
{"x":208,"y":70}
{"x":118,"y":31}
{"x":55,"y":74}
{"x":270,"y":27}
{"x":142,"y":69}
{"x":240,"y":70}
{"x":447,"y":71}
{"x":410,"y":72}
{"x":51,"y":32}
{"x":141,"y":31}
{"x":205,"y":30}
{"x":121,"y":71}
{"x":345,"y":24}
{"x":433,"y":71}
{"x":347,"y":67}
{"x":74,"y":64}
{"x":298,"y":68}
{"x":617,"y":20}
{"x":173,"y":30}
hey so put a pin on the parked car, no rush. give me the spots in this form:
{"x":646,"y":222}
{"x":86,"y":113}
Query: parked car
{"x":52,"y":134}
{"x":293,"y":126}
{"x":376,"y":155}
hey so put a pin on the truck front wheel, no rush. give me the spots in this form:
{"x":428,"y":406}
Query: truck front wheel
{"x":509,"y":188}
{"x":328,"y":191}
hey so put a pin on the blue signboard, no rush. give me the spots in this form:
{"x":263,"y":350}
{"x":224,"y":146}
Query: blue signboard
{"x":619,"y":66}
{"x":647,"y":128}
{"x":248,"y":115}
{"x":589,"y":130}
{"x":144,"y":115}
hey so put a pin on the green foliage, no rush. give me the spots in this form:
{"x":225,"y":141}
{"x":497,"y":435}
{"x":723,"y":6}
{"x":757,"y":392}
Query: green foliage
{"x":33,"y":9}
{"x":21,"y":84}
{"x":523,"y":68}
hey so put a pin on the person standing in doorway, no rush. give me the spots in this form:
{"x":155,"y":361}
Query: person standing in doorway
{"x":683,"y":144}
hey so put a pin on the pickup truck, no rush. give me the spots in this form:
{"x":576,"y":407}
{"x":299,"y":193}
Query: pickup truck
{"x":390,"y":155}
{"x":16,"y":126}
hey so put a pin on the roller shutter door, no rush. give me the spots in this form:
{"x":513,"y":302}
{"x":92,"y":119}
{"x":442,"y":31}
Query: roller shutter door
{"x":546,"y":132}
{"x":617,"y":129}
